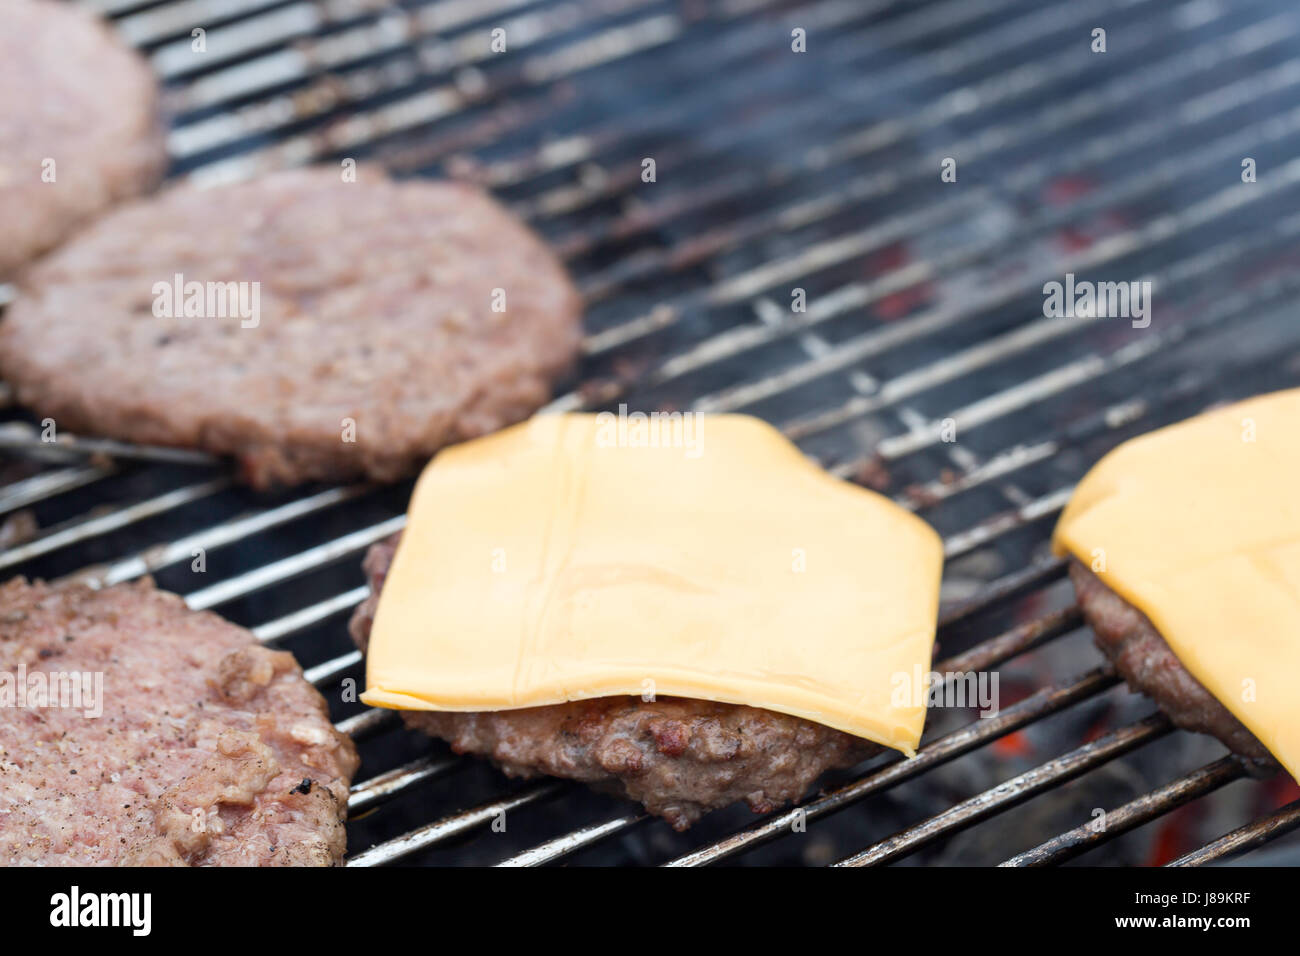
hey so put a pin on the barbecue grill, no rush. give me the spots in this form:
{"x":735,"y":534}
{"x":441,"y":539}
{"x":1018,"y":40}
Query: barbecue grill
{"x":776,"y":171}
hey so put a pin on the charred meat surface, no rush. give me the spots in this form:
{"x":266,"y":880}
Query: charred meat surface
{"x":313,"y":327}
{"x":86,"y":134}
{"x":1145,"y":660}
{"x":680,"y":758}
{"x":198,"y":755}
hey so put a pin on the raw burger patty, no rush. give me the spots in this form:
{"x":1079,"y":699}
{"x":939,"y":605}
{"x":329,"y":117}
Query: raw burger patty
{"x":680,"y":758}
{"x":74,"y":94}
{"x":375,"y":308}
{"x":1148,"y":664}
{"x":211,"y":750}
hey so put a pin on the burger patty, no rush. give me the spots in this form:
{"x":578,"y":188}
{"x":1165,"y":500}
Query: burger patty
{"x":366,"y":324}
{"x":210,"y":750}
{"x":680,"y":758}
{"x":83,"y":135}
{"x":1149,"y":666}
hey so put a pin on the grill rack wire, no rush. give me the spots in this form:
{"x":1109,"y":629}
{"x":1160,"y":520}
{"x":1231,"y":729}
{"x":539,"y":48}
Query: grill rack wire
{"x":683,"y":312}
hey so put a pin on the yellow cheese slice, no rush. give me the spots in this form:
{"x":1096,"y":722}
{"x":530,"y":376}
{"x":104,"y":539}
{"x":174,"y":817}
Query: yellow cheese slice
{"x":563,"y":559}
{"x":1198,"y":526}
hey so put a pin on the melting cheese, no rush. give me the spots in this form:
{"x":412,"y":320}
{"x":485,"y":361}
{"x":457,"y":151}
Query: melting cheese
{"x":1198,"y":526}
{"x":558,"y":560}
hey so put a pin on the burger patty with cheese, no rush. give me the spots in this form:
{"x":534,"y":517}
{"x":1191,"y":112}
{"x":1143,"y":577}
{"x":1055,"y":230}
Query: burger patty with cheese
{"x":1148,"y":665}
{"x":1184,"y":549}
{"x":688,"y":625}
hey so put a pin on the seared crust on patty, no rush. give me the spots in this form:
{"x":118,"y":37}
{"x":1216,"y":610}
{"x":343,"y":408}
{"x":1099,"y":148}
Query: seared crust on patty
{"x":1145,"y":660}
{"x":680,"y":758}
{"x":210,"y":750}
{"x":78,"y":97}
{"x":377,"y":338}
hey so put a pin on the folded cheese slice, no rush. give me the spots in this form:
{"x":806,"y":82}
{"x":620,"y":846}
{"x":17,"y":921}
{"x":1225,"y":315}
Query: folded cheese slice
{"x":564,"y":559}
{"x":1198,"y":526}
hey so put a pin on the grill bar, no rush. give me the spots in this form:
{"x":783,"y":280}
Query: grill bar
{"x":1245,"y":838}
{"x":87,"y":528}
{"x":1132,"y":814}
{"x":383,"y":787}
{"x":745,"y":73}
{"x":1025,"y":177}
{"x":575,"y":840}
{"x":424,"y":106}
{"x":156,"y":24}
{"x":1042,"y":703}
{"x":29,"y":491}
{"x":420,"y":108}
{"x":309,"y":616}
{"x":984,"y":50}
{"x":293,"y":566}
{"x":1112,"y":418}
{"x":332,"y":670}
{"x":455,"y":825}
{"x":1028,"y":337}
{"x":24,"y":437}
{"x":1004,"y":589}
{"x":1071,"y":376}
{"x":1015,"y":791}
{"x":227,"y":533}
{"x":367,"y":723}
{"x":940,"y":319}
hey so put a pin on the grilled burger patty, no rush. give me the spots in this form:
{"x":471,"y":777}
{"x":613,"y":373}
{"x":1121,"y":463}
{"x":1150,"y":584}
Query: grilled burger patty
{"x":211,"y":750}
{"x":1144,"y":659}
{"x":90,"y":107}
{"x":375,"y":339}
{"x":680,"y":758}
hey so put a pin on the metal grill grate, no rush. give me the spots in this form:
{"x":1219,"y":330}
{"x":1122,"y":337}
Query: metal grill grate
{"x":775,"y":170}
